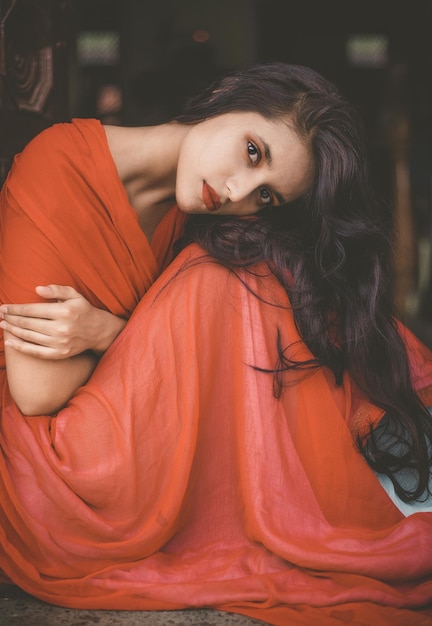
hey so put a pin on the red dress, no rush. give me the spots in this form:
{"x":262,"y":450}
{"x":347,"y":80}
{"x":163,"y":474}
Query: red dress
{"x":174,"y":478}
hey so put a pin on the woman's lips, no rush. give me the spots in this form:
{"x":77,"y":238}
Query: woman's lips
{"x":210,"y":198}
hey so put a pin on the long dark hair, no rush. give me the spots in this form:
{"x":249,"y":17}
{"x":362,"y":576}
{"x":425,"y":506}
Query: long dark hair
{"x":331,"y":251}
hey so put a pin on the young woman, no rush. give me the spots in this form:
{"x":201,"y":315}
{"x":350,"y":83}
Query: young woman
{"x":231,"y":446}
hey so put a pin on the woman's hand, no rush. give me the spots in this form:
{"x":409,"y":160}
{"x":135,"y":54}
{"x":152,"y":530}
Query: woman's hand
{"x":67,"y":326}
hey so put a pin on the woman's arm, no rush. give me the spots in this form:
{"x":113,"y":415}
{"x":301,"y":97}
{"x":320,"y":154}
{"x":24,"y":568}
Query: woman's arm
{"x":42,"y":387}
{"x":52,"y":348}
{"x":65,"y":219}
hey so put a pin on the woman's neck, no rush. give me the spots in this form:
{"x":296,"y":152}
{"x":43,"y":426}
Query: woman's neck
{"x":146,"y":159}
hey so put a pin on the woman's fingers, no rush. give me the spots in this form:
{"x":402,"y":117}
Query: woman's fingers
{"x":24,"y":334}
{"x":21,"y":314}
{"x":57,"y":292}
{"x":35,"y":330}
{"x":66,"y":325}
{"x":46,"y":329}
{"x":18,"y":325}
{"x":33,"y":349}
{"x":49,"y":310}
{"x":41,"y":310}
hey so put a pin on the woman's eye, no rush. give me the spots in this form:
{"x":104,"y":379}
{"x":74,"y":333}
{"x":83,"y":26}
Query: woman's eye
{"x":253,"y":152}
{"x":265,"y":195}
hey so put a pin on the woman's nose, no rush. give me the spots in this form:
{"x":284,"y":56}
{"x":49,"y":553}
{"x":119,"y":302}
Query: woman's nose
{"x":239,"y":188}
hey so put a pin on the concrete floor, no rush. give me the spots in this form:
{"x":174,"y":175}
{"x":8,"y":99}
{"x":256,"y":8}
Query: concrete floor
{"x":19,"y":609}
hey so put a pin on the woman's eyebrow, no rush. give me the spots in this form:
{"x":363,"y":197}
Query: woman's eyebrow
{"x":267,"y":152}
{"x":280,"y":198}
{"x":268,"y":158}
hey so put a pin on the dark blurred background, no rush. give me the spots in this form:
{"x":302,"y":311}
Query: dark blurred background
{"x":135,"y":62}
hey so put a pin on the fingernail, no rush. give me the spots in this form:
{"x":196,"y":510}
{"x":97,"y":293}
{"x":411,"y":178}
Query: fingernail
{"x":3,"y":325}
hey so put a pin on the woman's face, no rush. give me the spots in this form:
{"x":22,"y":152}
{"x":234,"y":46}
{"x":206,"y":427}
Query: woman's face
{"x":238,"y":163}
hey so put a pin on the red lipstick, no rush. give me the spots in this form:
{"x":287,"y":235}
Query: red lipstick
{"x":210,"y":198}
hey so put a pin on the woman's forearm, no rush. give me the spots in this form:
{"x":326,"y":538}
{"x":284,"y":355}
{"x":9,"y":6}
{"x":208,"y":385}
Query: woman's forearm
{"x":42,"y":387}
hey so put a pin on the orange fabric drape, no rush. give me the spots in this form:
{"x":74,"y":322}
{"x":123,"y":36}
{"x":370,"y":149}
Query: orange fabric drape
{"x":174,"y":478}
